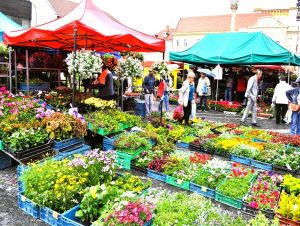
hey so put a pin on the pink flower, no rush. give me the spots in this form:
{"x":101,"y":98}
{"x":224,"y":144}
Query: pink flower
{"x":254,"y":205}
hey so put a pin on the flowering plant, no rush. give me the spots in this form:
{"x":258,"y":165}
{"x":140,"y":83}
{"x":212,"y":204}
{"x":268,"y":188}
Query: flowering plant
{"x":99,"y":103}
{"x":289,"y":206}
{"x":200,"y":158}
{"x":130,"y":67}
{"x":129,"y":143}
{"x":4,"y":49}
{"x":129,"y":182}
{"x":39,"y":59}
{"x":158,"y":163}
{"x":87,"y":63}
{"x":99,"y":119}
{"x":160,"y":68}
{"x":291,"y":184}
{"x":265,"y":192}
{"x":226,"y":106}
{"x":130,"y":213}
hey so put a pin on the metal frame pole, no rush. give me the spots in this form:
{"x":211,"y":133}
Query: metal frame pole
{"x":9,"y":70}
{"x":74,"y":72}
{"x":27,"y":71}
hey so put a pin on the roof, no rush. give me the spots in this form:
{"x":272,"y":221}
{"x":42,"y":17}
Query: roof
{"x":239,"y":48}
{"x":62,"y":7}
{"x":166,"y":34}
{"x":217,"y":23}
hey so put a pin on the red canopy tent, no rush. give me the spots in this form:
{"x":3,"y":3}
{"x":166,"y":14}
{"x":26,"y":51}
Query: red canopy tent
{"x":85,"y":27}
{"x":95,"y":30}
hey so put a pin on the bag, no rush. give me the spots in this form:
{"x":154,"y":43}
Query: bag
{"x":288,"y":116}
{"x":204,"y":89}
{"x":193,"y":113}
{"x":161,"y":89}
{"x":244,"y":102}
{"x":294,"y":107}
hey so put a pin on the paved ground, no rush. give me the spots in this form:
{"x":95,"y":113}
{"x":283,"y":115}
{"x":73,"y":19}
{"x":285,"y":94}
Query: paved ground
{"x":10,"y":215}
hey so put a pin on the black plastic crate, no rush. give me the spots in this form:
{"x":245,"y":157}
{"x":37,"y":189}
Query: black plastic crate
{"x":246,"y":208}
{"x":31,"y":152}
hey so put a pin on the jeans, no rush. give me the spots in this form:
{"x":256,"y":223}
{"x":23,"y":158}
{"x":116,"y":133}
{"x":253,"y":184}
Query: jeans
{"x":295,"y":123}
{"x":148,"y":103}
{"x":228,"y":94}
{"x":186,"y":113}
{"x":203,"y":99}
{"x":251,"y":104}
{"x":165,"y":100}
{"x":281,"y":110}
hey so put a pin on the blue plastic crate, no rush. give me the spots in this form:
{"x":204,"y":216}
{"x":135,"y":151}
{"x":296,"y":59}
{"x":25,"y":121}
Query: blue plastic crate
{"x":69,"y":218}
{"x":140,"y":113}
{"x":21,"y":187}
{"x":5,"y":160}
{"x":156,"y":175}
{"x":37,"y":86}
{"x":108,"y":142}
{"x":108,"y":147}
{"x":50,"y":216}
{"x":28,"y":206}
{"x":243,"y":160}
{"x":68,"y":143}
{"x":262,"y":165}
{"x":81,"y":150}
{"x":182,"y":144}
{"x":207,"y":192}
{"x":20,"y":169}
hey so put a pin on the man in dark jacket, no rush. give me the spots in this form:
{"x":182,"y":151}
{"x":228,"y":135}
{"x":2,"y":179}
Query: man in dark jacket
{"x":294,"y":98}
{"x":148,"y":86}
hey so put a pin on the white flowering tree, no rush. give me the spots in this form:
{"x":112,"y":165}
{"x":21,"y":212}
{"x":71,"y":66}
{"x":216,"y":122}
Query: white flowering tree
{"x":87,"y":63}
{"x":160,"y":68}
{"x":130,"y":67}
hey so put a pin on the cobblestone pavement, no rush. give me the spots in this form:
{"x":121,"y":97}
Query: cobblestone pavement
{"x":11,"y":215}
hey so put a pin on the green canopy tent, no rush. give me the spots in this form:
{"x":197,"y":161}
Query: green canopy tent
{"x":239,"y":48}
{"x":7,"y":24}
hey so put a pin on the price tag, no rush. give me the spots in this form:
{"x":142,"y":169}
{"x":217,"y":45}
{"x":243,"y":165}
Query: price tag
{"x":179,"y":141}
{"x":288,"y":166}
{"x":204,"y":189}
{"x":179,"y":181}
{"x":23,"y":199}
{"x":55,"y":214}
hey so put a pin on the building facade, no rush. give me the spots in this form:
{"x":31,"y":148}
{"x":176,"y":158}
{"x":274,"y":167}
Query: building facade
{"x":18,"y":10}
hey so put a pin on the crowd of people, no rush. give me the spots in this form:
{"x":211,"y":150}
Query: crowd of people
{"x":285,"y":96}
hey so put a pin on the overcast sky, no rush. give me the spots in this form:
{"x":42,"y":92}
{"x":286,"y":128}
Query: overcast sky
{"x":153,"y":15}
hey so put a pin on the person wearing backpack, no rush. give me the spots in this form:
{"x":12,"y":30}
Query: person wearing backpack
{"x":202,"y":90}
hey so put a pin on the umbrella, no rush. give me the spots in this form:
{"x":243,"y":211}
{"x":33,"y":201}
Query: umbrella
{"x":207,"y":72}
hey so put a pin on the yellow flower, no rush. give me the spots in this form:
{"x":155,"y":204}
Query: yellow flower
{"x":93,"y":191}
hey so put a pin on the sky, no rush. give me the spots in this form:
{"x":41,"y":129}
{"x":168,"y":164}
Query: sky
{"x":154,"y":15}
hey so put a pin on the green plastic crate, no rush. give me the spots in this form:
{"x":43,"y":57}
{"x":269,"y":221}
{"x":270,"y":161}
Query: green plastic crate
{"x":130,"y":156}
{"x":178,"y":183}
{"x":123,"y":162}
{"x":104,"y":132}
{"x":236,"y":203}
{"x":1,"y":145}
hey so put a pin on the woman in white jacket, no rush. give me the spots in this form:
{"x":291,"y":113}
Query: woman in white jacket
{"x":202,"y":90}
{"x":280,"y":99}
{"x":186,"y":96}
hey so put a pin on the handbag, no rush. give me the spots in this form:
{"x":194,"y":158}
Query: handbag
{"x":193,"y":111}
{"x":244,"y":102}
{"x":294,"y":107}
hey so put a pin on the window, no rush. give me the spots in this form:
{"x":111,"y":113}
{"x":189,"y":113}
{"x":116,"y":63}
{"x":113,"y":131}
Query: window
{"x":177,"y":43}
{"x":185,"y":42}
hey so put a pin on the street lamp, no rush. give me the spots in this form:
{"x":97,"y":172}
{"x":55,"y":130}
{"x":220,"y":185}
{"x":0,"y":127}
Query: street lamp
{"x":233,"y":6}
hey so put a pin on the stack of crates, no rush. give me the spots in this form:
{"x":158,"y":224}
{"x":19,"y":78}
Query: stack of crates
{"x":108,"y":142}
{"x":140,"y":108}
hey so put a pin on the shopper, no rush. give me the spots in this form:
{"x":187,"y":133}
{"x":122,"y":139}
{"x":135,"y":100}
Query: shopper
{"x":203,"y":90}
{"x":186,"y":96}
{"x":165,"y":85}
{"x":148,"y":86}
{"x":251,"y":95}
{"x":294,"y":99}
{"x":229,"y":86}
{"x":280,"y":99}
{"x":106,"y":84}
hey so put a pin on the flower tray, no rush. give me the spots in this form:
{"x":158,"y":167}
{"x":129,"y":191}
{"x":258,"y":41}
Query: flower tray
{"x":68,"y":218}
{"x":156,"y":175}
{"x":1,"y":145}
{"x":103,"y":131}
{"x":207,"y":192}
{"x":223,"y":154}
{"x":243,"y":160}
{"x":253,"y":212}
{"x":30,"y":153}
{"x":178,"y":182}
{"x":65,"y":145}
{"x":258,"y":140}
{"x":5,"y":160}
{"x":28,"y":206}
{"x":285,"y":169}
{"x":236,"y":203}
{"x":108,"y":142}
{"x":137,"y":168}
{"x":200,"y":149}
{"x":124,"y":163}
{"x":72,"y":152}
{"x":285,"y":221}
{"x":130,"y":156}
{"x":182,"y":144}
{"x":50,"y":216}
{"x":261,"y":165}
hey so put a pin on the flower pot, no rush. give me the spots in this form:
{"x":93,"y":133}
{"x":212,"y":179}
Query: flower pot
{"x":285,"y":221}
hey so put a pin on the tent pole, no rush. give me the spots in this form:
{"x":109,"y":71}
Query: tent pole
{"x":27,"y":71}
{"x":9,"y":69}
{"x":16,"y":81}
{"x":217,"y":91}
{"x":74,"y":72}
